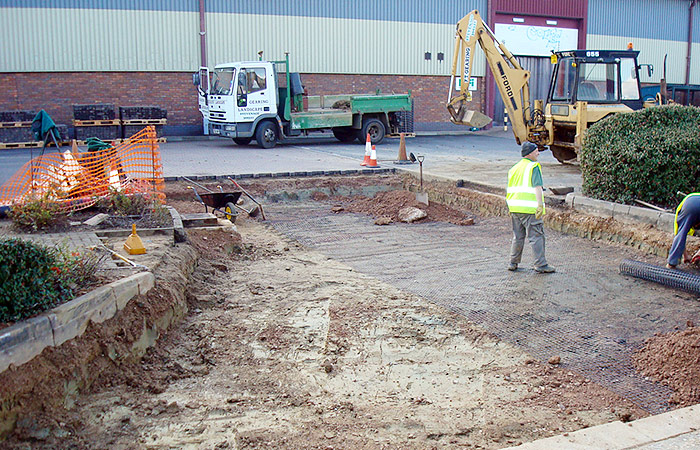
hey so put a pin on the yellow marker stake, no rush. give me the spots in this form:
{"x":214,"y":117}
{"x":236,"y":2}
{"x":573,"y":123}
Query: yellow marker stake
{"x":133,"y":244}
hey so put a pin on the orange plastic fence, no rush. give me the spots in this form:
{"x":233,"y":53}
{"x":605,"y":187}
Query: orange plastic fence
{"x":77,"y":180}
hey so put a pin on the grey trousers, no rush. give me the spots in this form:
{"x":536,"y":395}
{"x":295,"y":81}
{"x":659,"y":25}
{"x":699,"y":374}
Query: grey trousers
{"x":526,"y":224}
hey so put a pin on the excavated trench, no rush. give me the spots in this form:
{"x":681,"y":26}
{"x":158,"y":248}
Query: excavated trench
{"x":587,"y":314}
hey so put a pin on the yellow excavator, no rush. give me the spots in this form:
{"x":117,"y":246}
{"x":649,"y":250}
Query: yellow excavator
{"x":586,"y":86}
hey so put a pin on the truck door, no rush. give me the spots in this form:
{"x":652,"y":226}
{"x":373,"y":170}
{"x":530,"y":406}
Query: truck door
{"x":255,"y":95}
{"x":203,"y":82}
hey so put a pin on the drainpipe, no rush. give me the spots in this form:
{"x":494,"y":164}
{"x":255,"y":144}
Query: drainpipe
{"x":202,"y":35}
{"x":690,"y":40}
{"x":489,"y":81}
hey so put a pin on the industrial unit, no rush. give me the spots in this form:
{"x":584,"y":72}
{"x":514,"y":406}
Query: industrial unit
{"x":67,"y":52}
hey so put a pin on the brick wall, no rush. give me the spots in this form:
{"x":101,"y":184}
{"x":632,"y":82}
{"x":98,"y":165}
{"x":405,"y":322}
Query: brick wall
{"x":57,"y":92}
{"x":429,"y":92}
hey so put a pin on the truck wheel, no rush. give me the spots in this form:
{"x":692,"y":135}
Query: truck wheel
{"x":242,"y":141}
{"x":344,"y":134}
{"x":376,"y":131}
{"x":266,"y":135}
{"x":562,"y":154}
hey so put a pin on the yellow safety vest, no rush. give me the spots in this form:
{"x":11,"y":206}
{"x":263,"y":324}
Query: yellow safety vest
{"x":520,"y":195}
{"x":675,"y":219}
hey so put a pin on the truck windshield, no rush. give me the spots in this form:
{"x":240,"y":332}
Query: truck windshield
{"x":222,"y":81}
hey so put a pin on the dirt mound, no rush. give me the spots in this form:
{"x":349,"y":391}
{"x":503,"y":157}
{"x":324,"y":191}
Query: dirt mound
{"x":389,"y":203}
{"x":674,"y":359}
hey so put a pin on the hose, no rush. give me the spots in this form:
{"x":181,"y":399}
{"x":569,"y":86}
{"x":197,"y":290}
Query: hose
{"x":668,"y":277}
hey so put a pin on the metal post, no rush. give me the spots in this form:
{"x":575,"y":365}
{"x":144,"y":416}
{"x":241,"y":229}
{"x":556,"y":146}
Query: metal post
{"x":505,"y":120}
{"x":690,"y":41}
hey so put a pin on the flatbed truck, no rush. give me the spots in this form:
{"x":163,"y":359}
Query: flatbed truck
{"x":249,"y":100}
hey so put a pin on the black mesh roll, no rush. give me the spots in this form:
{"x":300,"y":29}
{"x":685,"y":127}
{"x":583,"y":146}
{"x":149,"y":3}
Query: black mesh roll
{"x":668,"y":277}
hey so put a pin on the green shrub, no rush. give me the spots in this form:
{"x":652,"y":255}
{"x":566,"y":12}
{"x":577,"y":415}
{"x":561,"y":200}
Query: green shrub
{"x":134,"y":205}
{"x":646,"y":155}
{"x":34,"y":278}
{"x":38,"y":213}
{"x":29,"y":279}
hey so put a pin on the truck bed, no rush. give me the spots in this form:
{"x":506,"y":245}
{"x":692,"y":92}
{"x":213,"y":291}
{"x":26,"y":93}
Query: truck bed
{"x":322,"y":114}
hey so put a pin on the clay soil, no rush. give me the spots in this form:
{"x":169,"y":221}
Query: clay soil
{"x":285,"y":348}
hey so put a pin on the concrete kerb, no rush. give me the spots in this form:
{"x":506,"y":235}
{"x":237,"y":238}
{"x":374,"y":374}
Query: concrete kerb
{"x":619,"y":436}
{"x":624,"y":213}
{"x":23,"y":341}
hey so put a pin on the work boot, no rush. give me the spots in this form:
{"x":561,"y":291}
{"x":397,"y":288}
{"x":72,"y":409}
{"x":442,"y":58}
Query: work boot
{"x":670,"y":266}
{"x":545,"y":269}
{"x":513,"y":267}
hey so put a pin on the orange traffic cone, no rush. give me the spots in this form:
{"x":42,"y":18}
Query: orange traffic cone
{"x":368,"y":151}
{"x":403,"y":159}
{"x":373,"y":159}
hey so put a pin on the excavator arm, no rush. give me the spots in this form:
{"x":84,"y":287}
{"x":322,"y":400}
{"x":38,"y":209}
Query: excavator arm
{"x":511,"y":79}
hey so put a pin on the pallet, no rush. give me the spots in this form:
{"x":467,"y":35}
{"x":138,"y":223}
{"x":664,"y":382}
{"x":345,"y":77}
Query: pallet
{"x":96,"y":123}
{"x":106,"y":141}
{"x":145,"y":122}
{"x":15,"y":124}
{"x":161,"y":140}
{"x":32,"y":144}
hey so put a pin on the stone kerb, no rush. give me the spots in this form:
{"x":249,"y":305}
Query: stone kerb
{"x":623,"y":213}
{"x":23,"y":341}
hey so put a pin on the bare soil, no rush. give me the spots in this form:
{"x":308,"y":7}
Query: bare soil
{"x":674,"y":359}
{"x":285,"y":348}
{"x":388,"y":204}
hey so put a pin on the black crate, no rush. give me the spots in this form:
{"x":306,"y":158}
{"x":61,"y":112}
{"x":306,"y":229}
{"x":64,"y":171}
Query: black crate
{"x":98,"y":111}
{"x":16,"y":134}
{"x":130,"y":130}
{"x":63,"y":131}
{"x":142,"y":112}
{"x":106,"y":132}
{"x":17,"y":116}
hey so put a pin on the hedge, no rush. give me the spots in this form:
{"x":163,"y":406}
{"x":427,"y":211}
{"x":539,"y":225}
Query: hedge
{"x":647,"y":155}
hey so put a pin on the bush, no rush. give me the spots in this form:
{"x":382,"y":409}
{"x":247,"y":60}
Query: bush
{"x":38,"y":214}
{"x":34,"y":278}
{"x":134,"y":205}
{"x":646,"y":155}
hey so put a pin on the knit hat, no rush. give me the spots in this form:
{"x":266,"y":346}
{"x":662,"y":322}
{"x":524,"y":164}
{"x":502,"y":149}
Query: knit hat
{"x":527,"y":148}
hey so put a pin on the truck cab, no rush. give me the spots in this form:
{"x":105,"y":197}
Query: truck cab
{"x":263,"y":100}
{"x":239,"y":96}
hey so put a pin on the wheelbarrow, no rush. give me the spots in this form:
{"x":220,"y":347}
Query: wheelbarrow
{"x":223,"y":202}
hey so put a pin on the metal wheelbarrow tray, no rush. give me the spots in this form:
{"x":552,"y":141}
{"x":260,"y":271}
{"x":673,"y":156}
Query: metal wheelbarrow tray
{"x":223,"y":202}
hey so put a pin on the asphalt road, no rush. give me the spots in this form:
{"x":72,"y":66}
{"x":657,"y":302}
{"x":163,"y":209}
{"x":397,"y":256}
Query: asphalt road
{"x":481,"y":157}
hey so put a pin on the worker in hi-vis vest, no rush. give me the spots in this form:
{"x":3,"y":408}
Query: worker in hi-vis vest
{"x":526,"y":205}
{"x":686,"y":222}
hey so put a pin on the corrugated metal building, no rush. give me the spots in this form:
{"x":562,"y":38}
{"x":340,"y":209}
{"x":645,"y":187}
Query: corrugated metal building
{"x":127,"y":52}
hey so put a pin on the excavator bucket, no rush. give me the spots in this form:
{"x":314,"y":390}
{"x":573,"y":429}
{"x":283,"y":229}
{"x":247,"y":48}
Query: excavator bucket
{"x":473,"y":119}
{"x":469,"y":118}
{"x":462,"y":116}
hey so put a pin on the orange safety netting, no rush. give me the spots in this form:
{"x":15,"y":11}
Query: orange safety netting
{"x":76,"y":180}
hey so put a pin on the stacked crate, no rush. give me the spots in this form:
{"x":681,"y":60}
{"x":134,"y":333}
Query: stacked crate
{"x":98,"y":120}
{"x":135,"y":118}
{"x":16,"y":126}
{"x":16,"y":130}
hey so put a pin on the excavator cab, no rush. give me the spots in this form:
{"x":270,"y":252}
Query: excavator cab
{"x":587,"y":86}
{"x":596,"y":77}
